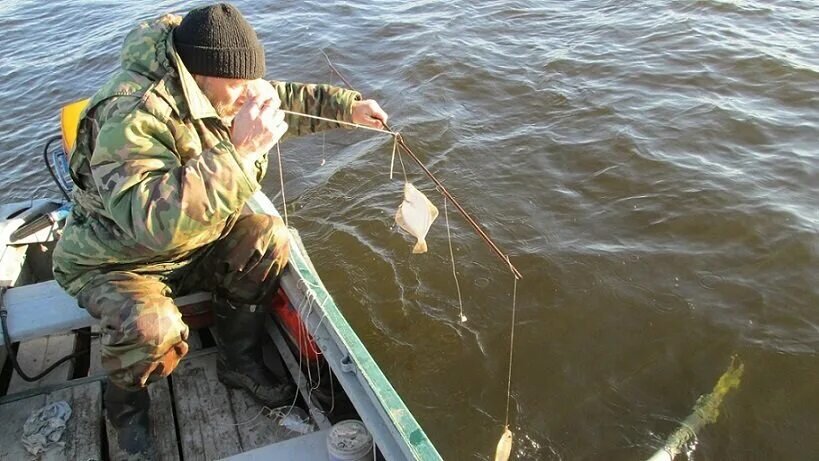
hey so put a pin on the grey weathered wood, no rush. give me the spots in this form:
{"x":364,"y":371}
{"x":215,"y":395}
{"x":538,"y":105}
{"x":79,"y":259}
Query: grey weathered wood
{"x":14,"y":416}
{"x":162,"y":420}
{"x":81,"y":438}
{"x":255,"y":428}
{"x":262,"y":431}
{"x":205,"y":420}
{"x":163,"y":428}
{"x":35,"y":355}
{"x":12,"y":260}
{"x":95,"y":354}
{"x":42,"y":309}
{"x":85,"y":442}
{"x":215,"y":422}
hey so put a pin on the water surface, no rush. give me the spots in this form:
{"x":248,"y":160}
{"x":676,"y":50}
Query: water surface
{"x":652,"y":166}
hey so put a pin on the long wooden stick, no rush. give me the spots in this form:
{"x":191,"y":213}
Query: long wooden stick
{"x":403,"y":145}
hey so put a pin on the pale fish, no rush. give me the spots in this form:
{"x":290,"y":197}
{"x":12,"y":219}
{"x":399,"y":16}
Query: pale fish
{"x":415,"y":214}
{"x":504,"y":449}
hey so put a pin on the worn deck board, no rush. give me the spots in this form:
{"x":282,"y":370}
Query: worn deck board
{"x":95,"y":354}
{"x":35,"y":355}
{"x":12,"y":260}
{"x":81,"y":438}
{"x":215,"y":422}
{"x":163,"y":430}
{"x":205,"y":420}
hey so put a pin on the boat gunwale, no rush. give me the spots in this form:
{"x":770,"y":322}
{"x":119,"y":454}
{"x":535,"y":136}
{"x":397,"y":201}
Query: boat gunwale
{"x":300,"y":278}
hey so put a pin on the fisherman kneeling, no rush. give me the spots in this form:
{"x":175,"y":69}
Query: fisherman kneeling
{"x":168,"y":152}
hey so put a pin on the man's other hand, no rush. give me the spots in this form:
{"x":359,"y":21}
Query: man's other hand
{"x":258,"y":126}
{"x":369,"y":113}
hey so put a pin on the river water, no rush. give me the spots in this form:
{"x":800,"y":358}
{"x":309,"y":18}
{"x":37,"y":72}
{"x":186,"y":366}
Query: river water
{"x":652,"y":167}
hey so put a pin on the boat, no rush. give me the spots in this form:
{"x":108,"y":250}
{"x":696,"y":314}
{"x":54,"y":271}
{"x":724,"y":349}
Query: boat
{"x":192,"y":415}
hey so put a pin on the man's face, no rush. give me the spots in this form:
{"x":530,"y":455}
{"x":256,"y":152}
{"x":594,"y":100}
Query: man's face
{"x":227,"y":95}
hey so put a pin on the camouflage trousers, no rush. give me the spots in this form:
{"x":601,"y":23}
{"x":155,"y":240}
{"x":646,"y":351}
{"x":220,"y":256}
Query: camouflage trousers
{"x":143,"y":335}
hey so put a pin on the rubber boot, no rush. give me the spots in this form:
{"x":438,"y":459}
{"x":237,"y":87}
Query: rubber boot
{"x":239,"y":330}
{"x":127,"y":412}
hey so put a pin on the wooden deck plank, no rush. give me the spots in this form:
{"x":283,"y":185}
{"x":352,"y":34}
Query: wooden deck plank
{"x":261,"y":431}
{"x":255,"y":428}
{"x":216,"y":422}
{"x":163,"y":427}
{"x":162,"y":421}
{"x":95,"y":354}
{"x":14,"y":416}
{"x":81,"y":439}
{"x":36,"y":355}
{"x":83,"y":436}
{"x":12,"y":260}
{"x":206,"y":423}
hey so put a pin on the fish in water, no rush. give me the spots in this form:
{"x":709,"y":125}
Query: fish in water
{"x":504,"y":449}
{"x":415,"y":215}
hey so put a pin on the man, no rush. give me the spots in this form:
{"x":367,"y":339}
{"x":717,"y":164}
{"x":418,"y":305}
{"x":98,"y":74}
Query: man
{"x":168,"y":151}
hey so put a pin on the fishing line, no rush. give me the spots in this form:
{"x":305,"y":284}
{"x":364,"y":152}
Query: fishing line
{"x":392,"y":158}
{"x":511,"y":350}
{"x":306,"y":348}
{"x":309,"y":298}
{"x":267,"y":411}
{"x":401,"y":161}
{"x":332,"y":393}
{"x":340,"y":122}
{"x":281,"y":181}
{"x":462,"y":317}
{"x":309,"y":288}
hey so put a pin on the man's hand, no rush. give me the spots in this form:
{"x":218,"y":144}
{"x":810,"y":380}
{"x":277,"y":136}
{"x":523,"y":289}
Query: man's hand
{"x":369,"y":113}
{"x":258,"y":126}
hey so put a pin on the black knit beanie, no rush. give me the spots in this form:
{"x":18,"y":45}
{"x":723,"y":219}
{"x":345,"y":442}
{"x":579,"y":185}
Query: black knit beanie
{"x":217,"y":41}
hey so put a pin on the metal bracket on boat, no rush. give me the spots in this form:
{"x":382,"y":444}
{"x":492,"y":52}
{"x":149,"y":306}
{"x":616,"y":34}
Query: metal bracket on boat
{"x":347,"y":364}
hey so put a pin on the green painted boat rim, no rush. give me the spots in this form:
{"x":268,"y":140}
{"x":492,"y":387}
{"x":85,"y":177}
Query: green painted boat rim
{"x":416,"y":444}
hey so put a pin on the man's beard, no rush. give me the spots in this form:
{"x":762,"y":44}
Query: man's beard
{"x":226,"y":112}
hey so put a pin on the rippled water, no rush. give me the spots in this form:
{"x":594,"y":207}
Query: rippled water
{"x":652,"y":165}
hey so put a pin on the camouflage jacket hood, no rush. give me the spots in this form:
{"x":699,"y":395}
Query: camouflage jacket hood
{"x":156,"y":176}
{"x":146,"y":48}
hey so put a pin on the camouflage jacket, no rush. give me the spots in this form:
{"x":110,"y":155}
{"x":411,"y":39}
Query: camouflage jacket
{"x":156,"y":177}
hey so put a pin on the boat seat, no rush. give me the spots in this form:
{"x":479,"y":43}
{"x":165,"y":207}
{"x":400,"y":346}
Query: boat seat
{"x":43,"y":309}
